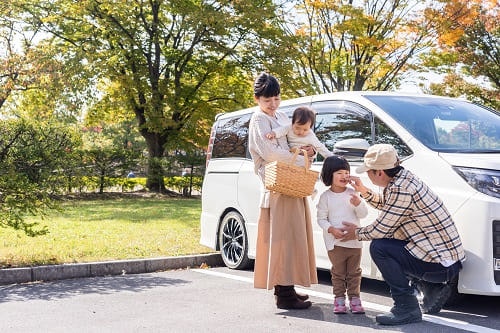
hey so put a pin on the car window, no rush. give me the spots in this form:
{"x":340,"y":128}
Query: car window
{"x":231,"y":137}
{"x":340,"y":120}
{"x":384,"y":134}
{"x":288,"y":109}
{"x":445,"y":125}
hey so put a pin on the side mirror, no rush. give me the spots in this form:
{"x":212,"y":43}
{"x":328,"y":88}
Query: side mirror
{"x":351,"y":149}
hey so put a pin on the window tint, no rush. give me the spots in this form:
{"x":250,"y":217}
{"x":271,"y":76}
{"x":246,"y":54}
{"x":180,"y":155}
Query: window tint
{"x":231,"y":137}
{"x":290,"y":108}
{"x":384,"y":134}
{"x":339,"y":120}
{"x":446,"y":125}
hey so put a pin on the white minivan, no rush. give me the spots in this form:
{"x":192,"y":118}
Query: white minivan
{"x":451,"y":144}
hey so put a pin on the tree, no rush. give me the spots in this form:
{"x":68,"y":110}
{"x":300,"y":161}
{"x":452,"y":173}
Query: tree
{"x":170,"y":62}
{"x":109,"y":151}
{"x":19,"y":65}
{"x":32,"y":160}
{"x":468,"y":47}
{"x":351,"y":45}
{"x":455,"y":85}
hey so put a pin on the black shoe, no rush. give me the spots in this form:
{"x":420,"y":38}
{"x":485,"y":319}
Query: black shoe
{"x":390,"y":318}
{"x":292,"y":303}
{"x":287,"y":298}
{"x":435,"y":296}
{"x":302,"y":297}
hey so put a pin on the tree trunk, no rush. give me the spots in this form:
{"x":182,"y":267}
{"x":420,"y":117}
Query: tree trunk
{"x":155,"y":171}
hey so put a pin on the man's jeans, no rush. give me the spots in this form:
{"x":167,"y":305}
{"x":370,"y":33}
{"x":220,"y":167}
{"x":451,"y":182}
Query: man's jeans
{"x":397,"y":266}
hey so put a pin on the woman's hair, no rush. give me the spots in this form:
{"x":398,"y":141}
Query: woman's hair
{"x":302,"y":115}
{"x":333,"y":164}
{"x":266,"y":85}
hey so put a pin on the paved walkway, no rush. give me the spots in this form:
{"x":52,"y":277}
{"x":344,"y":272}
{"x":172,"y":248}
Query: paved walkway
{"x":105,"y":268}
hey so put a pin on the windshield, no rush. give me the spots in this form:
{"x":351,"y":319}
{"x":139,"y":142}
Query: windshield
{"x":445,"y":125}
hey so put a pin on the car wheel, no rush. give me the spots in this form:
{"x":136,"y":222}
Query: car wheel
{"x":233,"y":241}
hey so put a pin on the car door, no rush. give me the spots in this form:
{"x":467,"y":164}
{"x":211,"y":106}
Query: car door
{"x":337,"y":121}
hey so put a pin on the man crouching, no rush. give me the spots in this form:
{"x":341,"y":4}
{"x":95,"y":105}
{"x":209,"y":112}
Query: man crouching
{"x":414,"y":241}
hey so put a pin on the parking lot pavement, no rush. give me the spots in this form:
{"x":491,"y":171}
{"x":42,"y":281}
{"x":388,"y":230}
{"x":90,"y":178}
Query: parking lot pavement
{"x":213,"y":299}
{"x":196,"y":300}
{"x":161,"y":295}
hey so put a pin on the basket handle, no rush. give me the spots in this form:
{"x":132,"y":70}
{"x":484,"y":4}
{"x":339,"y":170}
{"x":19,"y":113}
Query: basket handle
{"x":304,"y":152}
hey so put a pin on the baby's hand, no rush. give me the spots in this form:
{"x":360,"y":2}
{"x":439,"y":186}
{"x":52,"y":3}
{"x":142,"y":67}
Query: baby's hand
{"x":355,"y":200}
{"x":271,"y":135}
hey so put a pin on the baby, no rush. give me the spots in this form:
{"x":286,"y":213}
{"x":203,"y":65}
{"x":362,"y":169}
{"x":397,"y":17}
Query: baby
{"x":299,"y":133}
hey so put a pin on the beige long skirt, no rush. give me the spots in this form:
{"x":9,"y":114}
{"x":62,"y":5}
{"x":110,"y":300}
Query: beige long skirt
{"x":285,"y":249}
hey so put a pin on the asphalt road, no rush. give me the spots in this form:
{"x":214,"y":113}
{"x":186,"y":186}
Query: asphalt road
{"x":209,"y":300}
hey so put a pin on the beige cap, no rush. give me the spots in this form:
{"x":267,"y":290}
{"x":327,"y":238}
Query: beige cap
{"x":379,"y":157}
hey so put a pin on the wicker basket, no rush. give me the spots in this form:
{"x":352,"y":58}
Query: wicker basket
{"x":289,"y":179}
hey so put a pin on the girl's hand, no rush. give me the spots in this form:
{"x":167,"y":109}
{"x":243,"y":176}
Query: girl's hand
{"x":355,"y":200}
{"x":337,"y":233}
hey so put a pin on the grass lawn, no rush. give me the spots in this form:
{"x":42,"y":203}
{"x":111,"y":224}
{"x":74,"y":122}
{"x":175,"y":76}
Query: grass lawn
{"x":126,"y":227}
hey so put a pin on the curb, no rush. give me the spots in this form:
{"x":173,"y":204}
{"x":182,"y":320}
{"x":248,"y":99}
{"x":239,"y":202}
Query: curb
{"x":105,"y":268}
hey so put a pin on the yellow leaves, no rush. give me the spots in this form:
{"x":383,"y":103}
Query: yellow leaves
{"x":302,"y":31}
{"x":450,"y":38}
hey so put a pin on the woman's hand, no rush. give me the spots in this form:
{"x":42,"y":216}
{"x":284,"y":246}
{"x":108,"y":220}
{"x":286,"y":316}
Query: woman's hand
{"x":271,"y":135}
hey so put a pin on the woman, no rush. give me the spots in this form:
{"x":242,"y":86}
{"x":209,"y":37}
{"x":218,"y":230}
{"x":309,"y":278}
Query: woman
{"x":285,"y":250}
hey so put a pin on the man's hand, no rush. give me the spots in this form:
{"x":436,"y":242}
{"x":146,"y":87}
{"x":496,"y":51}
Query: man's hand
{"x":349,"y":230}
{"x":357,"y":184}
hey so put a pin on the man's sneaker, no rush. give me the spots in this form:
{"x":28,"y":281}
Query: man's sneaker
{"x":339,"y":305}
{"x":356,"y":306}
{"x":435,"y":296}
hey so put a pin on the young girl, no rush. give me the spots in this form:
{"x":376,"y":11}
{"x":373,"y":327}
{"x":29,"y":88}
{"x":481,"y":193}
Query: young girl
{"x":337,"y":204}
{"x":299,"y":133}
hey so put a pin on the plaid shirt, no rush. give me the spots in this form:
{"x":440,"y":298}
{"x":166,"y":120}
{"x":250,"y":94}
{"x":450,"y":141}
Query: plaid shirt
{"x":410,"y":211}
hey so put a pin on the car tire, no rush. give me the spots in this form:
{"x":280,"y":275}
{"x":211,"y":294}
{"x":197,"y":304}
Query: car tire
{"x":233,"y":241}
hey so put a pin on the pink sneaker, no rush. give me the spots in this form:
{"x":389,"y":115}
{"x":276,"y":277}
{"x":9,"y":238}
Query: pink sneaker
{"x":356,"y":306}
{"x":339,"y":305}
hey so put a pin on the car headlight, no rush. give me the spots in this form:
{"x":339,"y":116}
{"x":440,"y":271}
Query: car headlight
{"x":484,"y":180}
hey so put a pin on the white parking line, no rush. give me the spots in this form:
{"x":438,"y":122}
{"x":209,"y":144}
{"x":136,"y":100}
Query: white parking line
{"x":463,"y":325}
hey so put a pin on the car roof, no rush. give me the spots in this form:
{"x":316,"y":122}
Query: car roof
{"x":355,"y":96}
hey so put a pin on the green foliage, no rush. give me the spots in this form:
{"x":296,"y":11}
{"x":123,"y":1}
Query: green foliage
{"x":455,"y":85}
{"x":32,"y":160}
{"x":166,"y":62}
{"x":109,"y":151}
{"x":180,"y":183}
